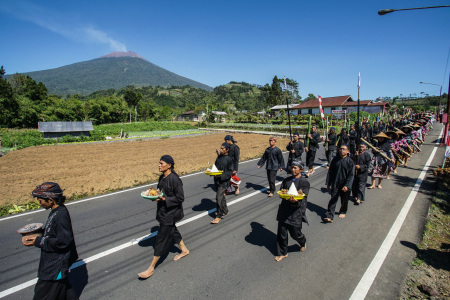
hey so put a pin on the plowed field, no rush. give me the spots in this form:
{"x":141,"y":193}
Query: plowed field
{"x":91,"y":169}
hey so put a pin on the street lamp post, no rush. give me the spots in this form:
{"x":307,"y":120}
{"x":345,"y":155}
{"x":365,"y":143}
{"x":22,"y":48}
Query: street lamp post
{"x":382,"y":12}
{"x":387,"y":11}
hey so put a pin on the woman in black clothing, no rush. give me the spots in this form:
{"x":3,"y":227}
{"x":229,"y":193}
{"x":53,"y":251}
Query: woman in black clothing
{"x":169,"y":211}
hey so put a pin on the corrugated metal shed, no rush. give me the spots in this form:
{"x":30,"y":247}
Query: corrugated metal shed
{"x":65,"y":126}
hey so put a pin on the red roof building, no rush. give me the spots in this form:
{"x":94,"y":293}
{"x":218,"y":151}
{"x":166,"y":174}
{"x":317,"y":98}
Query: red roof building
{"x":345,"y":103}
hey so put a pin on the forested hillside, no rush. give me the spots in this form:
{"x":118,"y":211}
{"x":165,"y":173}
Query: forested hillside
{"x":24,"y":102}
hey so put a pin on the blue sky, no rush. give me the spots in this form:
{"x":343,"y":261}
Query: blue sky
{"x":321,"y":44}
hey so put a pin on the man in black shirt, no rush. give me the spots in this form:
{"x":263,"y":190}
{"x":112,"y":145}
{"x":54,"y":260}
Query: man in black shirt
{"x":314,"y":140}
{"x":362,"y":164}
{"x":169,"y":211}
{"x":275,"y":162}
{"x":330,"y":143}
{"x":353,"y":135}
{"x":291,"y":212}
{"x":339,"y":181}
{"x":295,"y":148}
{"x":343,"y":138}
{"x":58,"y":249}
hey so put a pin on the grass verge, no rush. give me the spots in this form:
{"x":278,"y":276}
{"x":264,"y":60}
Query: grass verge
{"x":429,"y":275}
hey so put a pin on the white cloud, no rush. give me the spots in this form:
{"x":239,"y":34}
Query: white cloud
{"x":60,"y":24}
{"x":101,"y":37}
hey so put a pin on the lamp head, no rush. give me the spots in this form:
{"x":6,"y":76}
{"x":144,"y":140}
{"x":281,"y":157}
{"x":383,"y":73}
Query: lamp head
{"x":385,"y":11}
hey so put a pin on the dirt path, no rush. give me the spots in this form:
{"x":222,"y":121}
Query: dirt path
{"x":90,"y":169}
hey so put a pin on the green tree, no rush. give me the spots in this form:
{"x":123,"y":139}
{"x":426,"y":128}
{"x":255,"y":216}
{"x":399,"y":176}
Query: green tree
{"x":18,"y":82}
{"x":273,"y":93}
{"x":291,"y":89}
{"x":310,"y":97}
{"x":34,"y":91}
{"x":9,"y":106}
{"x":132,"y":98}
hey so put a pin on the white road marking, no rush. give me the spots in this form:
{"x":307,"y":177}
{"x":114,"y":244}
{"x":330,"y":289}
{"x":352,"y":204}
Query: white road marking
{"x":369,"y":276}
{"x":134,"y":241}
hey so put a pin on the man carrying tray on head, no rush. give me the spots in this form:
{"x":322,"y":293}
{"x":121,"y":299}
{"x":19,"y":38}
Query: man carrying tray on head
{"x":169,"y":211}
{"x":291,"y":212}
{"x":223,"y":163}
{"x":58,"y":249}
{"x":275,"y":162}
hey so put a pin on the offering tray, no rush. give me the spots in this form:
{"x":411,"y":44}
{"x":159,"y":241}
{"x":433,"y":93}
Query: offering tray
{"x":286,"y":196}
{"x":213,"y":173}
{"x":145,"y":195}
{"x":33,"y":228}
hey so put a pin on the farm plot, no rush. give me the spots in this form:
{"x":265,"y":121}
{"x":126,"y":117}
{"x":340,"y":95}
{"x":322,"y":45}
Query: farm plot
{"x":91,"y":169}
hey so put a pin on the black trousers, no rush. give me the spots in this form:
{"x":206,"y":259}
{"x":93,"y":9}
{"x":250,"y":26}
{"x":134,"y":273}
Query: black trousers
{"x":271,"y":177}
{"x":221,"y":202}
{"x":166,"y":237}
{"x":335,"y":194}
{"x":310,"y":157}
{"x":282,"y":237}
{"x":330,"y":155}
{"x":359,"y":187}
{"x":54,"y":290}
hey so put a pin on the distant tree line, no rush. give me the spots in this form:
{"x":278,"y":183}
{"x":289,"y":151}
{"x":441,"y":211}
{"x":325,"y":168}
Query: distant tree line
{"x":24,"y":102}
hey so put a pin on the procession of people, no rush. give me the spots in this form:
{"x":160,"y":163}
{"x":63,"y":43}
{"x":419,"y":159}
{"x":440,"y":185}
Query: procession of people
{"x":367,"y":151}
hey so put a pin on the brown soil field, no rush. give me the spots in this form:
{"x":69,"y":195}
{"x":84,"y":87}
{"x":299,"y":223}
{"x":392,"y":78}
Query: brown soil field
{"x":91,"y":169}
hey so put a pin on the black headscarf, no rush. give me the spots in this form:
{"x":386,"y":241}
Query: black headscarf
{"x":168,"y":160}
{"x":298,"y":163}
{"x":226,"y":146}
{"x":230,"y":138}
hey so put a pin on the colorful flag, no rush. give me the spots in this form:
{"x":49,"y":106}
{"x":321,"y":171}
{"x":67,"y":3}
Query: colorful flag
{"x":321,"y":109}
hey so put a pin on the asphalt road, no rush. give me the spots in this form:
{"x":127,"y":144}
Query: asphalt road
{"x":234,"y":259}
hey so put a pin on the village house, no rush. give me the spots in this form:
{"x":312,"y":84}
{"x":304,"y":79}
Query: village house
{"x":60,"y":129}
{"x":343,"y":103}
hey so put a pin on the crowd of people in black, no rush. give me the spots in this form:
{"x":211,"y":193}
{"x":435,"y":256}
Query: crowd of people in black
{"x":349,"y":165}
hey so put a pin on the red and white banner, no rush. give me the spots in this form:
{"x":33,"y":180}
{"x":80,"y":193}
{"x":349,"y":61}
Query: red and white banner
{"x":321,"y":109}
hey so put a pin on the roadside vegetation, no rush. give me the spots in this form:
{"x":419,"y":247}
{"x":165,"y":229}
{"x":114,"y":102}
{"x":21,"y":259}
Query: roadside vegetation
{"x":429,"y":276}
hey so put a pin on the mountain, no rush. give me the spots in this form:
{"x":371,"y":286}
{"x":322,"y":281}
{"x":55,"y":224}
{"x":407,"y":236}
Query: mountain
{"x":115,"y":70}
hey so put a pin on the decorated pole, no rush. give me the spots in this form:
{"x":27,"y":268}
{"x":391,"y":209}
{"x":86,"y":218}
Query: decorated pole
{"x":309,"y":132}
{"x":322,"y":114}
{"x":326,"y":137}
{"x":375,"y":148}
{"x":358,"y":132}
{"x":287,"y":107}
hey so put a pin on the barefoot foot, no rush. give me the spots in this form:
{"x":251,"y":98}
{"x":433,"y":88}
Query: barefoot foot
{"x":342,"y":216}
{"x":146,"y":274}
{"x":371,"y":187}
{"x":181,"y":255}
{"x":279,"y":258}
{"x":380,"y":187}
{"x":216,"y":220}
{"x":328,"y":220}
{"x":303,"y":248}
{"x":270,"y":195}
